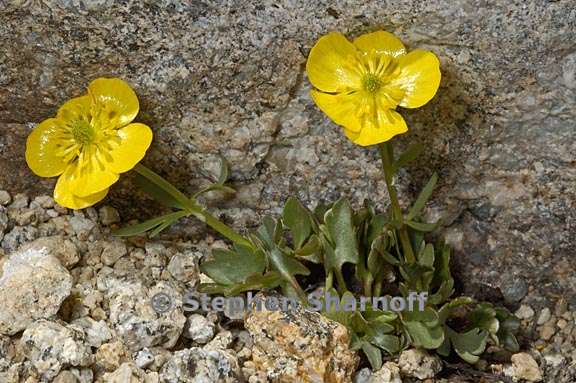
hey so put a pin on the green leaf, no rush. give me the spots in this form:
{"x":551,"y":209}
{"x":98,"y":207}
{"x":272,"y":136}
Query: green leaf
{"x":223,"y":188}
{"x":373,"y":354}
{"x":145,"y":226}
{"x":445,"y":310}
{"x":287,"y":266}
{"x":424,"y":336}
{"x":423,"y":227}
{"x":338,"y":222}
{"x":422,"y":198}
{"x":269,"y":280}
{"x":424,"y":327}
{"x":298,"y":219}
{"x":408,"y":156}
{"x":469,"y":345}
{"x":224,"y":171}
{"x":426,"y":256}
{"x":166,"y":186}
{"x":387,"y":342}
{"x":229,"y":267}
{"x":157,"y":192}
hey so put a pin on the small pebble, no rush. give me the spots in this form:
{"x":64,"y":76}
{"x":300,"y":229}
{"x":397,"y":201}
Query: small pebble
{"x":544,"y":316}
{"x":524,"y":312}
{"x":5,"y":198}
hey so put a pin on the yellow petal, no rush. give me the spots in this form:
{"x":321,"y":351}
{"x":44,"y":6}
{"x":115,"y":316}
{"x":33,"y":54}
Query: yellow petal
{"x":76,"y":109}
{"x":129,"y":147}
{"x":380,"y":42}
{"x":418,"y":76}
{"x":386,"y":125}
{"x":342,"y":108}
{"x":90,"y":174}
{"x":114,"y":102}
{"x":63,"y":194}
{"x":332,"y":65}
{"x":42,"y":146}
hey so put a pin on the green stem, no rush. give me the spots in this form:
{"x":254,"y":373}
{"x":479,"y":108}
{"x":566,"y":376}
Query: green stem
{"x":387,"y":155}
{"x":192,"y":206}
{"x":340,"y":281}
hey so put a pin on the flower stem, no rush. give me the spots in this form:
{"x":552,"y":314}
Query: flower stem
{"x":387,"y":155}
{"x":192,"y":206}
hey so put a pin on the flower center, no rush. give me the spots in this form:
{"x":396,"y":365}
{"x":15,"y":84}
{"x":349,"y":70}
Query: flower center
{"x":83,"y":132}
{"x":371,"y":83}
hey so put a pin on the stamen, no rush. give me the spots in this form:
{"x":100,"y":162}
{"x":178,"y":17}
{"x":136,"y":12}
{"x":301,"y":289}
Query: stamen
{"x":371,"y":83}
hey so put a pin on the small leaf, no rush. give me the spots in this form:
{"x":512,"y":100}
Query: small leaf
{"x":423,"y":227}
{"x":298,"y":219}
{"x":224,"y":171}
{"x":422,"y":198}
{"x":373,"y":354}
{"x":145,"y":226}
{"x":424,"y":336}
{"x":157,"y":192}
{"x":269,"y":280}
{"x":229,"y":267}
{"x":223,"y":188}
{"x":468,"y":345}
{"x":387,"y":342}
{"x":338,"y":222}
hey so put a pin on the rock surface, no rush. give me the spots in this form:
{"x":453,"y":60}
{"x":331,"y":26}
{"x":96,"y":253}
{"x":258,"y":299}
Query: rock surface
{"x":419,"y":364}
{"x":33,"y":285}
{"x":230,"y":80}
{"x":300,"y":345}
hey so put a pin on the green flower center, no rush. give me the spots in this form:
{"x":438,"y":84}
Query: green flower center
{"x":371,"y":83}
{"x":83,"y":132}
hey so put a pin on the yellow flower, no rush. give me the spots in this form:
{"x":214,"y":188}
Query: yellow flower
{"x":360,"y":84}
{"x":89,"y":143}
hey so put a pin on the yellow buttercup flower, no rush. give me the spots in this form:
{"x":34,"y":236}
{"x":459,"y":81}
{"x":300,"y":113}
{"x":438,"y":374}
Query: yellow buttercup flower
{"x":360,"y":84}
{"x":89,"y":143}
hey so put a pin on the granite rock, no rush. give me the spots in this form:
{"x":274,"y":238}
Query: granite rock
{"x":300,"y":345}
{"x":33,"y":285}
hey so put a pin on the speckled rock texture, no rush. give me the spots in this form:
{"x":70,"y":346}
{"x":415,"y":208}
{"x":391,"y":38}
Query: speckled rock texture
{"x":227,"y":77}
{"x":299,"y":346}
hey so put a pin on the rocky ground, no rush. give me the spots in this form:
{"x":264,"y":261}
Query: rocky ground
{"x":226,"y":77}
{"x":77,"y":307}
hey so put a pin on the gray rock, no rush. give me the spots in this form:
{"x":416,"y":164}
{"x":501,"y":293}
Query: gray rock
{"x":20,"y":201}
{"x":199,"y":329}
{"x":513,"y":288}
{"x":210,"y":365}
{"x":63,"y":249}
{"x":108,"y":215}
{"x":51,"y":346}
{"x":184,"y":267}
{"x":143,"y":358}
{"x":389,"y":373}
{"x":419,"y":364}
{"x":525,"y":367}
{"x":504,"y":139}
{"x":128,"y":373}
{"x":112,"y":251}
{"x":544,"y":316}
{"x":97,"y":332}
{"x":32,"y":286}
{"x":524,"y":312}
{"x":82,"y":226}
{"x":135,"y":320}
{"x":5,"y":198}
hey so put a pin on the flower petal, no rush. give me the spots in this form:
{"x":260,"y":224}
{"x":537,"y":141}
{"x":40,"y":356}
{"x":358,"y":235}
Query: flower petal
{"x":42,"y":147}
{"x":63,"y":194}
{"x":129,"y":147}
{"x":342,"y":108}
{"x":76,"y":109}
{"x":418,"y":76}
{"x":115,"y":103}
{"x":90,"y":174}
{"x":332,"y":62}
{"x":381,"y":42}
{"x":386,"y":125}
